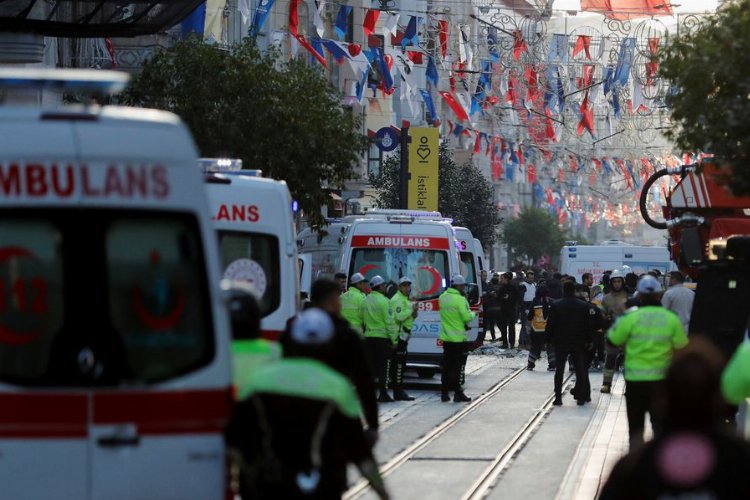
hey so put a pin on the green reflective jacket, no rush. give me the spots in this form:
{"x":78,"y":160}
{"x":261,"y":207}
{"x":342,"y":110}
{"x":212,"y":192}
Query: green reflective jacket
{"x":650,"y":334}
{"x":247,"y":357}
{"x":378,"y":317}
{"x":735,"y":381}
{"x":455,"y":314}
{"x":402,"y":314}
{"x":307,"y":378}
{"x":351,"y":308}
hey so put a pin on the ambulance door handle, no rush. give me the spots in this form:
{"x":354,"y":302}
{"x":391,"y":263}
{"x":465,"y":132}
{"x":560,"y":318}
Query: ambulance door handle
{"x":118,"y":441}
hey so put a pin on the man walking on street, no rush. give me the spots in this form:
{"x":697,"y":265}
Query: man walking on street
{"x":455,"y":316}
{"x":491,"y":306}
{"x":352,"y":300}
{"x":509,"y":298}
{"x":528,"y":298}
{"x":679,"y":299}
{"x":404,"y":313}
{"x":380,"y":334}
{"x":613,"y":306}
{"x":569,"y":327}
{"x":650,"y":334}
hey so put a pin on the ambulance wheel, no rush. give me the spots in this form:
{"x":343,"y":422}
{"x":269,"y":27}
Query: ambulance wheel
{"x":425,"y":372}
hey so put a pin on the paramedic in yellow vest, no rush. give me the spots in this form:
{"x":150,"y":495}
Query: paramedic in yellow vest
{"x":352,"y":300}
{"x":249,"y":351}
{"x":455,"y":317}
{"x":404,"y":313}
{"x":650,"y":334}
{"x":380,"y":335}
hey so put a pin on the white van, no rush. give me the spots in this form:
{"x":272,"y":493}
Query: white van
{"x":471,"y":268}
{"x":420,"y":245}
{"x":257,"y":239}
{"x":576,"y":260}
{"x":115,"y":379}
{"x":324,"y":246}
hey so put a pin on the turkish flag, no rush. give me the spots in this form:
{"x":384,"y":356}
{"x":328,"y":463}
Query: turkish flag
{"x":451,"y":100}
{"x":371,"y":18}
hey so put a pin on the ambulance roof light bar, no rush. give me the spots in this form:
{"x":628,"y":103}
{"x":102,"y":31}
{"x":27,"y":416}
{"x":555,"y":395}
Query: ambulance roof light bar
{"x":209,"y":165}
{"x":402,"y":215}
{"x":81,"y":81}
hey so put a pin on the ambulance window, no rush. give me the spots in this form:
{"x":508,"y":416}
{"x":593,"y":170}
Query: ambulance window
{"x":157,"y":296}
{"x":467,"y":267}
{"x":427,"y":268}
{"x":254,"y":258}
{"x":31,"y":296}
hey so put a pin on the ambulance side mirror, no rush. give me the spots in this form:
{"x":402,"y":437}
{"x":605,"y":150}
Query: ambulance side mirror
{"x":244,"y":309}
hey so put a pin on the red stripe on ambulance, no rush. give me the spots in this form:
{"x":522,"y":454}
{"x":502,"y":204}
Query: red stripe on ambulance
{"x":395,"y":241}
{"x":43,"y":415}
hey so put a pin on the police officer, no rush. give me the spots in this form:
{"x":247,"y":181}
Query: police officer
{"x":404,"y":313}
{"x":455,"y":316}
{"x":380,"y":334}
{"x":650,"y":335}
{"x":613,"y":306}
{"x":352,"y":300}
{"x":300,"y":425}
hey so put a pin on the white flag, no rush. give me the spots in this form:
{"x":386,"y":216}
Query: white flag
{"x":320,"y":27}
{"x":391,"y":25}
{"x":244,"y":7}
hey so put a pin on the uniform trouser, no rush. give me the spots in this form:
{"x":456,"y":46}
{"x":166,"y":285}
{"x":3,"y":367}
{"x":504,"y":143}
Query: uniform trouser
{"x":455,"y":355}
{"x":640,"y":397}
{"x":610,"y":361}
{"x":582,"y":389}
{"x":491,"y":318}
{"x":379,"y":354}
{"x":598,"y":353}
{"x":507,"y":324}
{"x":523,"y":336}
{"x":398,"y":365}
{"x":537,"y":343}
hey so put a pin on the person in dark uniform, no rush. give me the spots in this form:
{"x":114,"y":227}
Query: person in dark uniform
{"x":347,"y":353}
{"x":509,"y":298}
{"x":569,"y":328}
{"x":491,"y":307}
{"x":300,"y":426}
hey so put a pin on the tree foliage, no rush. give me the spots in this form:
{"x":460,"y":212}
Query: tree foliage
{"x":533,"y":234}
{"x":464,"y":194}
{"x":709,"y":68}
{"x":282,"y":118}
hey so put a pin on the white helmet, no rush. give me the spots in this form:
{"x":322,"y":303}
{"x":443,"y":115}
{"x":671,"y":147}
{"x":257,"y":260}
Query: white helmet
{"x":457,"y":279}
{"x":313,"y":326}
{"x":616,"y":274}
{"x":376,"y":281}
{"x":356,"y":278}
{"x":648,"y":284}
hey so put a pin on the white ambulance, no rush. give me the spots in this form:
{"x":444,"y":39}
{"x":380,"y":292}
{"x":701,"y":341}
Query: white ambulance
{"x":257,"y":239}
{"x":420,"y":245}
{"x":576,"y":260}
{"x":324,"y":246}
{"x":115,"y":379}
{"x":471,"y":269}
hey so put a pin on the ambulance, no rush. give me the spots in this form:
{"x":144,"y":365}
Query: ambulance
{"x":576,"y":260}
{"x":471,"y":256}
{"x":324,"y":246}
{"x":115,"y":376}
{"x":420,"y":245}
{"x":254,"y":223}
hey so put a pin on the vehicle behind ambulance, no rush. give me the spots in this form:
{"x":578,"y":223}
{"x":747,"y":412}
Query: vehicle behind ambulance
{"x":419,"y":245}
{"x":114,"y":342}
{"x":257,"y":242}
{"x":471,"y":255}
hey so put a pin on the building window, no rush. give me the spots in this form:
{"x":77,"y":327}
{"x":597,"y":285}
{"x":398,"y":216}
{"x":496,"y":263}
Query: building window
{"x":374,"y":160}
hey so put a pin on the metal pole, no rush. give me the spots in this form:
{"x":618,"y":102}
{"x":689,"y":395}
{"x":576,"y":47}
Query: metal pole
{"x":404,"y":173}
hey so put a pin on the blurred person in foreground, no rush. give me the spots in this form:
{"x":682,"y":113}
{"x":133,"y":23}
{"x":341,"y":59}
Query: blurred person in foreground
{"x":346,"y":354}
{"x":692,"y":458}
{"x":300,"y":426}
{"x":651,"y":334}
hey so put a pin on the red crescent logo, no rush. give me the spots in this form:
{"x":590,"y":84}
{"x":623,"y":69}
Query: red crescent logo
{"x":436,"y":280}
{"x":366,"y":268}
{"x":7,"y":335}
{"x":159,"y":323}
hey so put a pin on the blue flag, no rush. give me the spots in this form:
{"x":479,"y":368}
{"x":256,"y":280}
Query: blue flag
{"x":427,"y":98}
{"x":432,"y":73}
{"x":342,"y":20}
{"x":410,"y":37}
{"x":379,"y":59}
{"x":261,"y":14}
{"x":336,"y":51}
{"x":625,"y":61}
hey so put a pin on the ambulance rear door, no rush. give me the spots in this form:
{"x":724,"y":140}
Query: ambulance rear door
{"x":257,"y":242}
{"x":471,"y":271}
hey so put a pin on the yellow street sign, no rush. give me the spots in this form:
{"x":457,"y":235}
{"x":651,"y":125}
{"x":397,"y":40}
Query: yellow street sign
{"x":423,"y":169}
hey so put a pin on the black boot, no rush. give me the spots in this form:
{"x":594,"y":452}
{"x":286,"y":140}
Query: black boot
{"x":460,"y":397}
{"x":401,"y":395}
{"x":385,"y":397}
{"x":557,"y":401}
{"x":445,"y":397}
